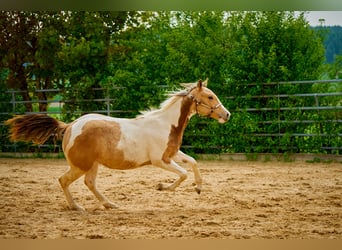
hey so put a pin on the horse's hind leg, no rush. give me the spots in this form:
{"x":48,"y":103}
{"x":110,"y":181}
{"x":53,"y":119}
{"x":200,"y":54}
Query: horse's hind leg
{"x":90,"y":181}
{"x":65,"y":180}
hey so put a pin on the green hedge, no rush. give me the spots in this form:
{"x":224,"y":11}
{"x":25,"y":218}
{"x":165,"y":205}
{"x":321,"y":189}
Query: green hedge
{"x":265,"y":119}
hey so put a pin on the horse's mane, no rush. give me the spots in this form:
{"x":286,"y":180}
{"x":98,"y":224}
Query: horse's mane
{"x":173,"y":96}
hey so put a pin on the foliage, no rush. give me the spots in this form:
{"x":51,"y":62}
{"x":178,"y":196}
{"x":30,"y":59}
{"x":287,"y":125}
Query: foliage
{"x":332,"y":41}
{"x":49,"y":49}
{"x":136,"y":56}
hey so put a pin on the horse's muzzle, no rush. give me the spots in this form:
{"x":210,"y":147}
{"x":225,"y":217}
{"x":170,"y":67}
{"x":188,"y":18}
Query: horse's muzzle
{"x":223,"y":118}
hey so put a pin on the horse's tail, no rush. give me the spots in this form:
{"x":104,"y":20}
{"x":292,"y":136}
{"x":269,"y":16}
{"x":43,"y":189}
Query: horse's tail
{"x":36,"y":128}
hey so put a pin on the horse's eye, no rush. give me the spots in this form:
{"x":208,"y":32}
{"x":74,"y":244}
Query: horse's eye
{"x":210,"y":97}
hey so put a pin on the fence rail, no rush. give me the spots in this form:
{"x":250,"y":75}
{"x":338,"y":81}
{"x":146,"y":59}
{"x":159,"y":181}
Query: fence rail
{"x":278,"y":113}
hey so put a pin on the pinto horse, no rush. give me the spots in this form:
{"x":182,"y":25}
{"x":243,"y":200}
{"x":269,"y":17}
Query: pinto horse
{"x":152,"y":138}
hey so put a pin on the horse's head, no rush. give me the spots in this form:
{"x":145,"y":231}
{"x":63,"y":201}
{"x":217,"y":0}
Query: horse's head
{"x":207,"y":103}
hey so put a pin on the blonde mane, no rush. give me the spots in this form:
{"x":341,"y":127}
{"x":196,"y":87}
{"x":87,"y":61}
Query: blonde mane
{"x":174,"y":96}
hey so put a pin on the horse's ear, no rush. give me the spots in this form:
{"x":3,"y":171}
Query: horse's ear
{"x":205,"y":83}
{"x":199,"y":84}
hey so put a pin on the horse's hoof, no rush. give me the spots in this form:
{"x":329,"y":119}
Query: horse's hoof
{"x":110,"y":205}
{"x":78,"y":208}
{"x":160,"y":187}
{"x":198,"y":190}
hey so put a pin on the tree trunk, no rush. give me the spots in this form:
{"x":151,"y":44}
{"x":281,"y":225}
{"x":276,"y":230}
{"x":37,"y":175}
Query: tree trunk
{"x":41,"y":84}
{"x":21,"y":79}
{"x":43,"y":105}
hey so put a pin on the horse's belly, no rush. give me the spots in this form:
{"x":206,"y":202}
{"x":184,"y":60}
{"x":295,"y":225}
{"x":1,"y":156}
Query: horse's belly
{"x":121,"y":159}
{"x":123,"y":164}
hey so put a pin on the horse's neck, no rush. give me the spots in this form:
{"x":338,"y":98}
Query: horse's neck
{"x":178,"y":114}
{"x":174,"y":113}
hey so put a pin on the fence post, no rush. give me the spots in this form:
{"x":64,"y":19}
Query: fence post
{"x":13,"y":102}
{"x":279,"y":130}
{"x":107,"y":102}
{"x":13,"y":109}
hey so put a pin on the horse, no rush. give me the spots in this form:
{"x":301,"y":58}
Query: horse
{"x":152,"y":138}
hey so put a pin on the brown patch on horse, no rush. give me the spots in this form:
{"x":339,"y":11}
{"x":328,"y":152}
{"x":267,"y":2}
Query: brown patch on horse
{"x":98,"y":143}
{"x":36,"y":128}
{"x":176,"y":133}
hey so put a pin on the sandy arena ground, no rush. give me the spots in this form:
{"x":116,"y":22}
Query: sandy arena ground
{"x":239,"y":200}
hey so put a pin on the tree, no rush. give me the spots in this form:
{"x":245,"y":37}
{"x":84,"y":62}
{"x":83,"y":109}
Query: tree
{"x":336,"y":67}
{"x":272,"y":46}
{"x":165,"y":49}
{"x":17,"y":43}
{"x":332,"y":41}
{"x":46,"y":49}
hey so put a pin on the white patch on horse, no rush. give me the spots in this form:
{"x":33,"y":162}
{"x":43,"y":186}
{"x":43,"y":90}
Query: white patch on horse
{"x":151,"y":127}
{"x":76,"y":130}
{"x":130,"y":135}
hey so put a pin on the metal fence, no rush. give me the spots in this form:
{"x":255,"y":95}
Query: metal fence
{"x":320,"y":105}
{"x":328,"y":115}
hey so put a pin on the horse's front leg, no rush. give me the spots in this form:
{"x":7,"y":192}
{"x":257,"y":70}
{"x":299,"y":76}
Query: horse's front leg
{"x":172,"y":167}
{"x":181,"y":157}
